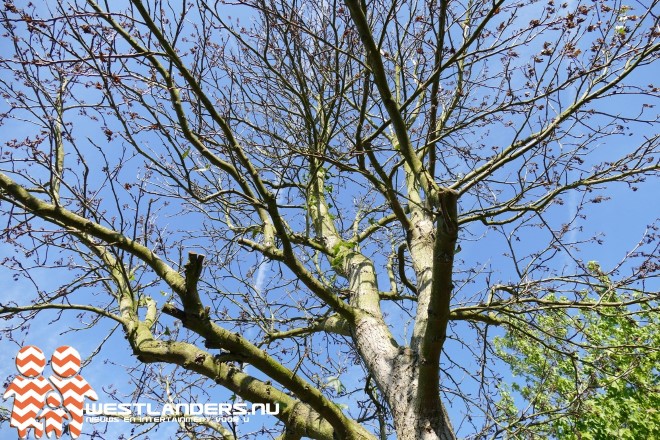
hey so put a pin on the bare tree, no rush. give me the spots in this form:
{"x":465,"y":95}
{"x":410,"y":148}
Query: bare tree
{"x":297,"y":178}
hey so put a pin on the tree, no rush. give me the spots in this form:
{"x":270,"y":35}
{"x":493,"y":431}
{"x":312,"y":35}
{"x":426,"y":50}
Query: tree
{"x":614,"y":389}
{"x":269,"y":166}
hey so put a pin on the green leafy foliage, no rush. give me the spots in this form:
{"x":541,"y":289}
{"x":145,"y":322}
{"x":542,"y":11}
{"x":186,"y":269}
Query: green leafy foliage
{"x":335,"y":383}
{"x":340,"y":251}
{"x":591,"y":374}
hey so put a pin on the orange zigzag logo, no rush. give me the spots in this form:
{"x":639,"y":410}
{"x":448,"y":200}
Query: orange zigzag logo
{"x":36,"y":398}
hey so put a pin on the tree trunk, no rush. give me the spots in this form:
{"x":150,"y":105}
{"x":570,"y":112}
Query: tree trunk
{"x":420,"y":414}
{"x":408,"y":376}
{"x":415,"y":419}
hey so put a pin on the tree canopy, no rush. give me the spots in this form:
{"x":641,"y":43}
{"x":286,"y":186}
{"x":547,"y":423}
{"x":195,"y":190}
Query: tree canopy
{"x":601,"y":382}
{"x":358,"y":210}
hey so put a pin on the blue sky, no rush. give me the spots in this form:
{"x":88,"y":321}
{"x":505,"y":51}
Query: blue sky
{"x":622,"y":220}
